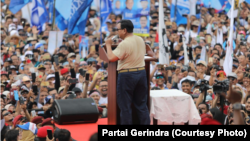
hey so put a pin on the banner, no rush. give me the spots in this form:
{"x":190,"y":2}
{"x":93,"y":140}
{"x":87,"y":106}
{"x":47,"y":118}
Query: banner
{"x":55,"y":40}
{"x":178,"y":9}
{"x":83,"y":46}
{"x":218,"y":5}
{"x":135,"y":10}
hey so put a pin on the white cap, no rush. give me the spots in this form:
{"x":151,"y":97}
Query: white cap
{"x":14,"y":32}
{"x":19,"y":27}
{"x":6,"y":93}
{"x":50,"y":76}
{"x":26,"y":47}
{"x":28,"y":52}
{"x":7,"y":106}
{"x":22,"y":58}
{"x":15,"y":20}
{"x":12,"y":27}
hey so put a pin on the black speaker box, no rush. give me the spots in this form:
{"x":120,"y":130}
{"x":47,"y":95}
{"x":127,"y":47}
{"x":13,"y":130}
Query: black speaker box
{"x":72,"y":111}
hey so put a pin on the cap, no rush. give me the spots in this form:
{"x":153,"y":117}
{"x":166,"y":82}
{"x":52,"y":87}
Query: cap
{"x":48,"y":121}
{"x":202,"y":62}
{"x":221,"y":73}
{"x":50,"y":76}
{"x":181,"y":29}
{"x":234,"y":75}
{"x":47,"y":99}
{"x":38,"y":45}
{"x":42,"y":132}
{"x":91,"y":59}
{"x":71,"y":55}
{"x":61,"y":89}
{"x":235,"y":66}
{"x":31,"y":39}
{"x":12,"y":26}
{"x":12,"y":67}
{"x":181,"y":58}
{"x":8,"y":60}
{"x":209,"y":121}
{"x":37,"y":120}
{"x":208,"y":98}
{"x":17,"y":120}
{"x":198,"y":47}
{"x":159,"y":74}
{"x":242,"y":32}
{"x":76,"y":89}
{"x":43,"y":42}
{"x":6,"y":93}
{"x":64,"y":70}
{"x":196,"y":23}
{"x":83,"y":63}
{"x":29,"y":126}
{"x":41,"y":66}
{"x":4,"y":73}
{"x":26,"y":78}
{"x":24,"y":88}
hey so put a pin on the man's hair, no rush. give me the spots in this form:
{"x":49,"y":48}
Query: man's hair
{"x":247,"y":97}
{"x":64,"y":135}
{"x":128,"y":25}
{"x":218,"y":45}
{"x":215,"y":54}
{"x":43,"y":89}
{"x":186,"y":81}
{"x":51,"y":89}
{"x":205,"y":104}
{"x":143,"y":16}
{"x":94,"y":137}
{"x":12,"y":135}
{"x":119,"y":16}
{"x":104,"y":80}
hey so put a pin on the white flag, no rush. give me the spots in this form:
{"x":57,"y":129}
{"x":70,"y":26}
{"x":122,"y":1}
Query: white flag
{"x":185,"y":51}
{"x":228,"y":63}
{"x":163,"y":42}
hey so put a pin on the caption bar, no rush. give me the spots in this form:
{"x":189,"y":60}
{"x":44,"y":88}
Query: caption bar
{"x":111,"y":131}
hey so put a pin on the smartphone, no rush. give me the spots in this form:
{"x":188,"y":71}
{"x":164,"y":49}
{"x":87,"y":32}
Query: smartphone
{"x":45,"y":57}
{"x":42,"y":48}
{"x":82,"y":72}
{"x":33,"y":113}
{"x":73,"y":81}
{"x":33,"y":77}
{"x":160,"y":66}
{"x":16,"y":96}
{"x":40,"y":76}
{"x":56,"y":59}
{"x":34,"y":88}
{"x":45,"y":83}
{"x":180,"y":39}
{"x":210,"y":60}
{"x":49,"y":132}
{"x":209,"y":39}
{"x":21,"y":100}
{"x":87,"y":76}
{"x":170,"y":79}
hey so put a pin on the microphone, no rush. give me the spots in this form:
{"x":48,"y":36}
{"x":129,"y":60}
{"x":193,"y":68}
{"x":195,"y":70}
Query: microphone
{"x":113,"y":39}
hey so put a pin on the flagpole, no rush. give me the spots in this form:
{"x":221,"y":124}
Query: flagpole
{"x":175,"y":10}
{"x":54,"y":15}
{"x":29,"y":12}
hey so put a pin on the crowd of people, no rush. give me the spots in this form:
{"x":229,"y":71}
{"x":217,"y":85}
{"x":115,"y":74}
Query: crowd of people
{"x":24,"y":52}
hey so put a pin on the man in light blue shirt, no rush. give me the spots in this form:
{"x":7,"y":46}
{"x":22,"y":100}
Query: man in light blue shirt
{"x":128,"y":13}
{"x":117,"y":10}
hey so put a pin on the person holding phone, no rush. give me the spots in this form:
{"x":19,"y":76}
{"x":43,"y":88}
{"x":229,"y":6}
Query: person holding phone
{"x":130,"y":56}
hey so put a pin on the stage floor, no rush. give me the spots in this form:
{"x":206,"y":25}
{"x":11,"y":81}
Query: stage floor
{"x":82,"y":132}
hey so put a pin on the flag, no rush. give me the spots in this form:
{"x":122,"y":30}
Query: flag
{"x":178,"y":8}
{"x":163,"y":42}
{"x":51,"y":9}
{"x":247,"y":1}
{"x":16,"y":5}
{"x":62,"y":13}
{"x":81,"y":23}
{"x":83,"y":46}
{"x":78,"y":7}
{"x":228,"y":63}
{"x":39,"y":14}
{"x":218,"y":5}
{"x":29,"y":126}
{"x":106,"y":9}
{"x":185,"y":51}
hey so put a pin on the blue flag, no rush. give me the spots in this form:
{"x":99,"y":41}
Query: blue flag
{"x":39,"y":14}
{"x":248,"y":1}
{"x":78,"y":7}
{"x":51,"y":8}
{"x":178,"y":9}
{"x":61,"y":23}
{"x":16,"y":5}
{"x":106,"y":9}
{"x":81,"y":23}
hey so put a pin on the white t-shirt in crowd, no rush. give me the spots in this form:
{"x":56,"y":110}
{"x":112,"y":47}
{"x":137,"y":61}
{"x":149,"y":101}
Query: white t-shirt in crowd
{"x":103,"y":100}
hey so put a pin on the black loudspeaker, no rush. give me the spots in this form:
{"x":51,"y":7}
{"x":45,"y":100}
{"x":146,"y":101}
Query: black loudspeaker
{"x":72,"y":111}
